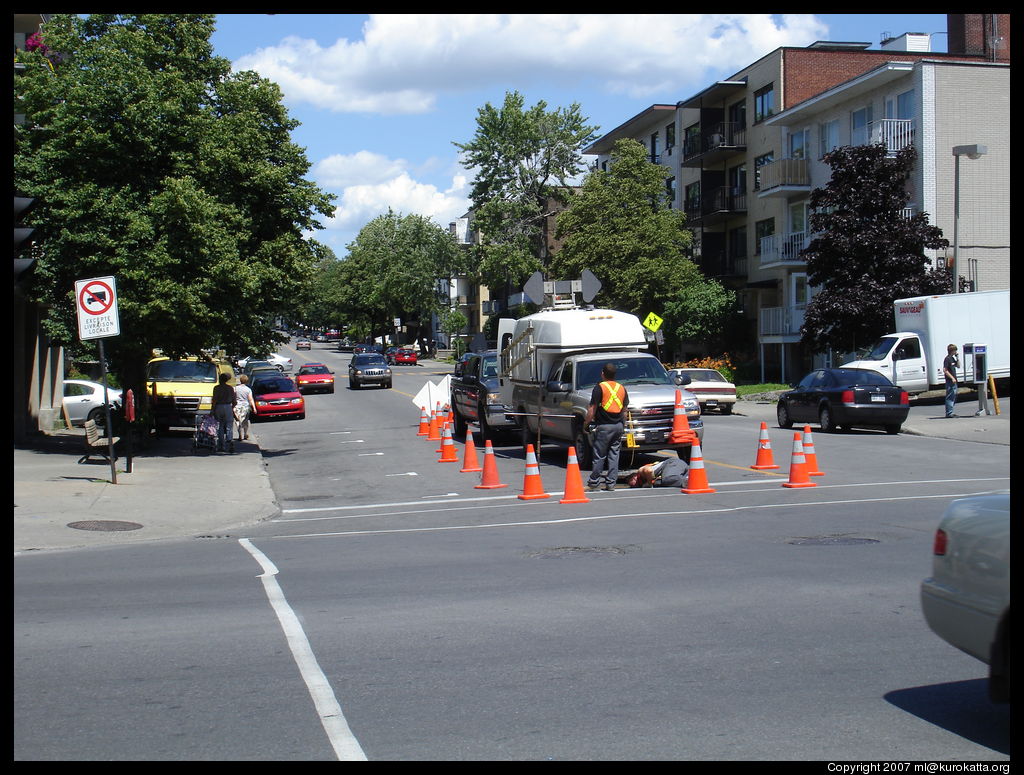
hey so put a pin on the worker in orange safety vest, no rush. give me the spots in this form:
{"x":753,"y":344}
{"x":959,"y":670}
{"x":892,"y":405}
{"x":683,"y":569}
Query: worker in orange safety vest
{"x":606,"y":422}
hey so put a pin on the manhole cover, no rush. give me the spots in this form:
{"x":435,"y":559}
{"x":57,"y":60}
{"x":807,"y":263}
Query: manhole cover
{"x":104,"y":525}
{"x":577,"y":551}
{"x":830,"y":541}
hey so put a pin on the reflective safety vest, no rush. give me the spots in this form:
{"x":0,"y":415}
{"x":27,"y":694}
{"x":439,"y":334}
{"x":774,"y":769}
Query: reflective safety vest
{"x":613,"y":396}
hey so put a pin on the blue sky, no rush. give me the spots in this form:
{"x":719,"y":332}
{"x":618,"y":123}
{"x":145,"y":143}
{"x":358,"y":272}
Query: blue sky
{"x":381,"y":98}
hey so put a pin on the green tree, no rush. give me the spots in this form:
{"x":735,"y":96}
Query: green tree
{"x":522,"y":158}
{"x":154,"y":163}
{"x":619,"y":225}
{"x":392,"y":271}
{"x":868,"y":253}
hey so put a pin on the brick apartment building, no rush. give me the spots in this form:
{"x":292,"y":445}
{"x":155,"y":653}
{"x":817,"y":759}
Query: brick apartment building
{"x":744,"y":154}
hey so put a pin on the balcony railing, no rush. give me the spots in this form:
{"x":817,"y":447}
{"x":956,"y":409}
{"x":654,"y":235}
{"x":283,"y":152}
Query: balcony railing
{"x":726,"y":134}
{"x":780,"y":321}
{"x":779,"y":248}
{"x":894,"y":133}
{"x":784,"y":172}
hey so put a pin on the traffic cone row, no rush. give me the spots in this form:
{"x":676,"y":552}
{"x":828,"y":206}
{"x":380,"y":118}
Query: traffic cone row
{"x":803,"y":463}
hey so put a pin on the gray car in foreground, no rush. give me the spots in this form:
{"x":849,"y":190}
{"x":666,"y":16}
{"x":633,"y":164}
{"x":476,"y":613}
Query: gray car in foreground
{"x":966,"y":600}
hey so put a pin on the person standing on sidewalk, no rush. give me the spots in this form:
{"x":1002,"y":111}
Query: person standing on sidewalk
{"x":949,"y":366}
{"x":605,"y":416}
{"x":245,"y":406}
{"x":224,"y":412}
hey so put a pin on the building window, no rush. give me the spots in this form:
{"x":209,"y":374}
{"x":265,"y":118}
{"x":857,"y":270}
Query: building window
{"x":655,"y":153}
{"x":738,"y":242}
{"x":759,"y":162}
{"x":670,"y":189}
{"x":738,"y":114}
{"x":798,"y":142}
{"x":670,"y":137}
{"x":828,"y":137}
{"x":764,"y":103}
{"x":738,"y":180}
{"x":692,"y":203}
{"x":860,"y":121}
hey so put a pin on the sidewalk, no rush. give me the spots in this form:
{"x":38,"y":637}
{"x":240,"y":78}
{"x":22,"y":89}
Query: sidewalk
{"x":174,"y":492}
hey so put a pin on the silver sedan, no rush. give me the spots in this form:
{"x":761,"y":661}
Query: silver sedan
{"x":83,"y":400}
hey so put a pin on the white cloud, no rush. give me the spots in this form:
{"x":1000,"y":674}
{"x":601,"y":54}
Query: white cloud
{"x":405,"y":61}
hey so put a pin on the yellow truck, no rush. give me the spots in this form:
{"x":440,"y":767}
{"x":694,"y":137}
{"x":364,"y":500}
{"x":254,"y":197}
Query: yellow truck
{"x":179,"y":389}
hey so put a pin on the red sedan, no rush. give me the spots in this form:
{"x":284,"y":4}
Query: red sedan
{"x":276,"y":396}
{"x":315,"y":377}
{"x":406,"y":356}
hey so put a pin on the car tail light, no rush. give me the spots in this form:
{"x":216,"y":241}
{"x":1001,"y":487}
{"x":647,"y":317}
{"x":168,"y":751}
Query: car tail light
{"x":847,"y":396}
{"x":939,"y":547}
{"x":904,"y":398}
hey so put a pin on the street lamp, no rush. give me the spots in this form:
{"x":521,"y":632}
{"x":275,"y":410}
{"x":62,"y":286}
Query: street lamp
{"x":971,"y":152}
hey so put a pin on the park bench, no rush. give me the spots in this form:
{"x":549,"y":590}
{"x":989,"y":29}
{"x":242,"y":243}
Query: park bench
{"x":96,"y":443}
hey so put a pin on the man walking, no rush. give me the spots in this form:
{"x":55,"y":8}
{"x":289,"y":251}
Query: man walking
{"x":949,"y":367}
{"x":605,"y":416}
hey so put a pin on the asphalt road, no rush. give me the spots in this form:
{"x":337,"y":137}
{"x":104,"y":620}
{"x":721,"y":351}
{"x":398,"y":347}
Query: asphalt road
{"x":395,"y":612}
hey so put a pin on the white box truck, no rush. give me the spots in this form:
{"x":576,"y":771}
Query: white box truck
{"x":912,"y":356}
{"x":551,"y":361}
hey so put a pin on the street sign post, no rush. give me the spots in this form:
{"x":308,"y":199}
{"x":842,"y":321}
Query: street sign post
{"x":96,"y":302}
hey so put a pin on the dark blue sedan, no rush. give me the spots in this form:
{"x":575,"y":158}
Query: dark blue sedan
{"x":842,"y":398}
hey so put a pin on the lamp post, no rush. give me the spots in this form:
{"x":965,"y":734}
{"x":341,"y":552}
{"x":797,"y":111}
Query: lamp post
{"x":971,"y":152}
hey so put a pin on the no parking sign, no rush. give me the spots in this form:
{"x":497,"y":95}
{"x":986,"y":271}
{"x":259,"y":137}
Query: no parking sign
{"x":96,"y":301}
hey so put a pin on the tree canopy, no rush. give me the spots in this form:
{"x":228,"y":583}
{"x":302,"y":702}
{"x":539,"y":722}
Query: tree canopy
{"x":621,"y":227}
{"x":153,"y":162}
{"x":868,"y":251}
{"x":522,"y":158}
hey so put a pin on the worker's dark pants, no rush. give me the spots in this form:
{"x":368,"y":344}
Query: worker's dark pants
{"x":607,"y":440}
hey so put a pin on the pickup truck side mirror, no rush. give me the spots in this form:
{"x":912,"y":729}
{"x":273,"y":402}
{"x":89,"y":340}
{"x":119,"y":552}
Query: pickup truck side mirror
{"x":554,"y":386}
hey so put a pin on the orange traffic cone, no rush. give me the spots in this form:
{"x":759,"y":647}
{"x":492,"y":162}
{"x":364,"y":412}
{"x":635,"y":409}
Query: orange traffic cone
{"x":434,"y":431}
{"x":809,"y":456}
{"x":469,"y":463}
{"x":680,"y":424}
{"x":798,"y":466}
{"x":448,"y":447}
{"x":764,"y":459}
{"x":424,"y":423}
{"x":697,"y":479}
{"x":489,"y":480}
{"x":533,"y":487}
{"x":574,"y":481}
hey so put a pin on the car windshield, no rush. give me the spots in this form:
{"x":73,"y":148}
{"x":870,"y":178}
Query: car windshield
{"x":490,"y":368}
{"x":314,"y":370}
{"x":880,"y":350}
{"x":704,"y":375}
{"x":859,"y":377}
{"x":369,"y":360}
{"x":181,"y":371}
{"x":266,"y":385}
{"x":629,"y":371}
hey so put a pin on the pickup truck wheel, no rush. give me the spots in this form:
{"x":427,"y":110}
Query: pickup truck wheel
{"x":684,"y":454}
{"x":584,"y":452}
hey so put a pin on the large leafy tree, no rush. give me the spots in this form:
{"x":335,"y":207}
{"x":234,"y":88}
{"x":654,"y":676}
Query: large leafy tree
{"x":153,"y":163}
{"x":523,"y":159}
{"x":620,"y":226}
{"x":392,"y":271}
{"x":867,"y":252}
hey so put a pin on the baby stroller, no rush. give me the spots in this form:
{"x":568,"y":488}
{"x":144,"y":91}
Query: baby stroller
{"x":205,"y":436}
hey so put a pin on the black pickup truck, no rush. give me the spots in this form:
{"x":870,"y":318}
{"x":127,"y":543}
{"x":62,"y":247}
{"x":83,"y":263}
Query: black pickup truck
{"x":476,"y":396}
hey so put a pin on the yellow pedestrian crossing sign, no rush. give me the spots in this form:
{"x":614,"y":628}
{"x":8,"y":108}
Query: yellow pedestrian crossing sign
{"x":653,"y":322}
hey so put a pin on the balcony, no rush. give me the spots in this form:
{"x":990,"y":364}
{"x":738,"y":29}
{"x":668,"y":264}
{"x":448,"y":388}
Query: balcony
{"x":720,"y":204}
{"x":784,"y":177}
{"x":894,"y":133}
{"x":780,"y":324}
{"x":724,"y":139}
{"x":783,"y":249}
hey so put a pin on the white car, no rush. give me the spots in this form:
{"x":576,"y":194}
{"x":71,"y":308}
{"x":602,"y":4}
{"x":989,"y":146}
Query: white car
{"x":966,"y":601}
{"x":283,"y":363}
{"x":712,"y":389}
{"x":83,"y":400}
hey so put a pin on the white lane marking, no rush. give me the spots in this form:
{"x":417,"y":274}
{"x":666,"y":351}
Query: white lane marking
{"x":345,"y":745}
{"x":627,"y":515}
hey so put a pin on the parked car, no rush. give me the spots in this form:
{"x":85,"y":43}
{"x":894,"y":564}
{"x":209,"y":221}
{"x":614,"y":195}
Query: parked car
{"x":276,"y":396}
{"x":314,"y":377}
{"x":252,"y":365}
{"x":842,"y":398}
{"x":406,"y":356}
{"x":280,"y":361}
{"x":966,"y":600}
{"x":713,"y":391}
{"x":83,"y":400}
{"x":389,"y":354}
{"x":368,"y":369}
{"x":303,"y":344}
